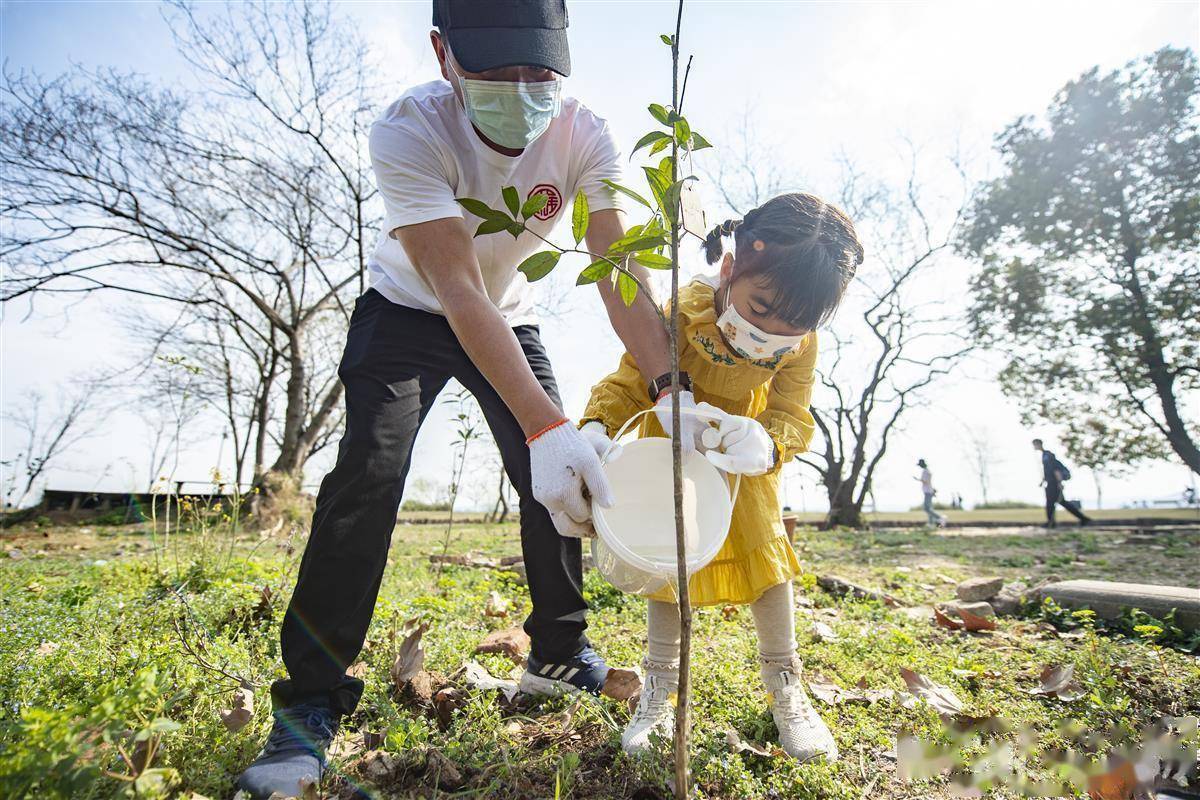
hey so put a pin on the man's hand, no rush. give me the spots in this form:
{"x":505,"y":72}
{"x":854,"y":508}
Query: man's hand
{"x":565,"y":471}
{"x":740,"y":445}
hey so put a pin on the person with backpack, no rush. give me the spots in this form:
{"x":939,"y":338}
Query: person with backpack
{"x":1054,"y":472}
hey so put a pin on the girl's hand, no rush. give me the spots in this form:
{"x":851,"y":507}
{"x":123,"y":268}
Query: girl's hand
{"x":690,"y":427}
{"x":744,"y":446}
{"x":597,"y":437}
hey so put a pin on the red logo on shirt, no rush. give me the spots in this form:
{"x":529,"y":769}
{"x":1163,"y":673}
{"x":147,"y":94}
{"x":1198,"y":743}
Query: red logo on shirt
{"x":553,"y":200}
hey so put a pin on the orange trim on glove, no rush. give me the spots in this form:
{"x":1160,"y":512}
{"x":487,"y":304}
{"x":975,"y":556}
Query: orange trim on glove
{"x":546,"y":430}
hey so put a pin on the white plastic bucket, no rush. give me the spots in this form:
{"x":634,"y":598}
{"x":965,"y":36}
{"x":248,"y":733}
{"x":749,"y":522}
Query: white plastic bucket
{"x":635,"y":547}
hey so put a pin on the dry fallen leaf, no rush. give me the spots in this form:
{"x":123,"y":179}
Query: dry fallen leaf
{"x":410,"y":657}
{"x":358,"y":669}
{"x":825,"y":690}
{"x":46,"y":648}
{"x":940,"y":698}
{"x":512,"y":642}
{"x":823,"y":632}
{"x":241,"y":709}
{"x":945,"y":621}
{"x":1059,"y":681}
{"x":729,"y":612}
{"x":1119,"y":783}
{"x":622,"y":684}
{"x":497,"y":605}
{"x":445,"y":703}
{"x":739,"y":745}
{"x":477,"y":677}
{"x":829,"y":692}
{"x":974,"y":622}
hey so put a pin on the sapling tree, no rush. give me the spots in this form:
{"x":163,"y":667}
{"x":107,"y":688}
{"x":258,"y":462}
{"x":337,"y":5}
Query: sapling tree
{"x":653,"y":244}
{"x":466,"y":430}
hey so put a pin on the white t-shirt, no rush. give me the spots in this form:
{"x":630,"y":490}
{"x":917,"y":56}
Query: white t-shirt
{"x":926,"y":481}
{"x":426,"y":153}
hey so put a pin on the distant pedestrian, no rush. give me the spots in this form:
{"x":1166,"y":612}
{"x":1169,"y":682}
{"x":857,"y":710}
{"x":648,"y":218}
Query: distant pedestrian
{"x":936,"y":520}
{"x":1054,"y":472}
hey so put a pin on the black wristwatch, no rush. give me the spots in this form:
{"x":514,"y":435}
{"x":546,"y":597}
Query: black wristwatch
{"x":663,"y":382}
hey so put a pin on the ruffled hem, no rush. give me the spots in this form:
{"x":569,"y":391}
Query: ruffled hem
{"x":741,"y":581}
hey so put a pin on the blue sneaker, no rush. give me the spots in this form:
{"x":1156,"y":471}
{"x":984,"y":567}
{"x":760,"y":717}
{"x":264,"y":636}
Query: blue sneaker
{"x":584,"y":672}
{"x":294,"y":754}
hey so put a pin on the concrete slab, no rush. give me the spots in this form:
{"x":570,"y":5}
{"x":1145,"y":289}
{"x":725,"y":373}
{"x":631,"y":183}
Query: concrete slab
{"x":1108,"y":599}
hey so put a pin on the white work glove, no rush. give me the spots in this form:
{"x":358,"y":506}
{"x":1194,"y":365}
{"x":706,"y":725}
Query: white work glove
{"x":739,"y":445}
{"x":690,"y":427}
{"x":597,"y":437}
{"x":564,"y":464}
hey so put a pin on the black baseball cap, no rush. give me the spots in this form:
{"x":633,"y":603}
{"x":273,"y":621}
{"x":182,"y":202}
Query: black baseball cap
{"x":487,"y":34}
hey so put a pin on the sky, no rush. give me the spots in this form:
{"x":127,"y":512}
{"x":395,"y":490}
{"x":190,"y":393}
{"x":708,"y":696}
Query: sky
{"x":810,"y":80}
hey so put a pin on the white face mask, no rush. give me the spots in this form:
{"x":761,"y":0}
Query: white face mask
{"x":509,"y":113}
{"x":747,"y":339}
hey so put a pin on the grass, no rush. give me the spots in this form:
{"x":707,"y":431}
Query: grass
{"x":1026,"y":516}
{"x":99,"y":645}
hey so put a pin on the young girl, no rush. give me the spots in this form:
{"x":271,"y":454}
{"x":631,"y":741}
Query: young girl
{"x":748,"y":346}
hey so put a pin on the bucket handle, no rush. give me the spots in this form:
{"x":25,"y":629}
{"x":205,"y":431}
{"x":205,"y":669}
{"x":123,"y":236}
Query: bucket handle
{"x":695,"y":412}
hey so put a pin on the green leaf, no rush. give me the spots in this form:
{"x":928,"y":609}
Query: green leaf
{"x":594,"y":272}
{"x":660,"y":145}
{"x":667,"y":40}
{"x":538,"y":265}
{"x":628,"y":288}
{"x":534,"y":204}
{"x":683,"y":132}
{"x":481,"y":209}
{"x":653,"y":260}
{"x":628,"y":192}
{"x":659,"y":183}
{"x":636,"y":244}
{"x":516,"y":228}
{"x":511,"y":199}
{"x":699,"y":142}
{"x":653,"y":137}
{"x":493,"y":225}
{"x":579,"y":217}
{"x":659,"y":112}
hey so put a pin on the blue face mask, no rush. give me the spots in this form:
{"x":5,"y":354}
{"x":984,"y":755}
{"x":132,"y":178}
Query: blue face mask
{"x":509,"y":113}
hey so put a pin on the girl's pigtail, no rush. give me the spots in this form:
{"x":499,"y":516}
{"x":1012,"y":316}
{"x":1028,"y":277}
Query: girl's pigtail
{"x":714,"y":248}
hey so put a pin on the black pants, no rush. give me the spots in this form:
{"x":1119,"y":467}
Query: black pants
{"x":1054,"y":496}
{"x":397,"y":360}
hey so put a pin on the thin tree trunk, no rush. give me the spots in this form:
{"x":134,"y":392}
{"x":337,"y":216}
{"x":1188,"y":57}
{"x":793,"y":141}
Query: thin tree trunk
{"x":682,"y":721}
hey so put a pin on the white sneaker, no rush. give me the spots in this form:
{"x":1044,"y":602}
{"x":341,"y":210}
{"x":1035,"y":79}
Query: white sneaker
{"x":655,"y":713}
{"x":803,"y":735}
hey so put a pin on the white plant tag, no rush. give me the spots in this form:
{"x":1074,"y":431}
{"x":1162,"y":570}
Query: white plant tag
{"x":691,"y":210}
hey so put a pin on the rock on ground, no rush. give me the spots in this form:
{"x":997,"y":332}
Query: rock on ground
{"x":1009,"y":601}
{"x":976,"y":589}
{"x":979,"y":609}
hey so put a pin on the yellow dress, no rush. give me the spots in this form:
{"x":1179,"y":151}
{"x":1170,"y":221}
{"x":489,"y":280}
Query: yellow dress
{"x":776,"y":392}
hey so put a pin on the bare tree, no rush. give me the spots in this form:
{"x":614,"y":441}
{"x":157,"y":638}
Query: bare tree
{"x":245,"y":204}
{"x":893,"y":337}
{"x":980,"y":448}
{"x":48,"y":435}
{"x":170,"y":407}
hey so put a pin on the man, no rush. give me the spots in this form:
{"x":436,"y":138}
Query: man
{"x":1053,"y":475}
{"x":935,"y":520}
{"x":446,"y":305}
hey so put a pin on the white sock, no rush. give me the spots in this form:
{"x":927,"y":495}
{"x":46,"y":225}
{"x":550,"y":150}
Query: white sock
{"x":662,"y":637}
{"x":775,"y":621}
